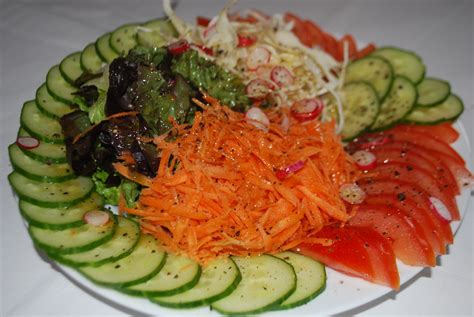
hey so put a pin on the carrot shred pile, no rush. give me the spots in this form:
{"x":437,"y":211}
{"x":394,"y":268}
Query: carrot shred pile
{"x":216,"y":192}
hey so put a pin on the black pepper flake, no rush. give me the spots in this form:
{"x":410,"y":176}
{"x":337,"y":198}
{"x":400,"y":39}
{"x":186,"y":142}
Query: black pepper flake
{"x":401,"y":196}
{"x":117,"y":266}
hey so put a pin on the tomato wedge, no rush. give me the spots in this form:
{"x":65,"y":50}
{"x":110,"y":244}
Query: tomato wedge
{"x":404,"y":152}
{"x":425,"y":179}
{"x":412,"y":192}
{"x":408,"y":241}
{"x":357,"y":251}
{"x":347,"y":253}
{"x":421,"y":218}
{"x":444,"y":132}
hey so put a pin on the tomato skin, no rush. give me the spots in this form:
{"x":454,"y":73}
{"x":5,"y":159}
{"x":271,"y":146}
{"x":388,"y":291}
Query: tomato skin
{"x":410,"y":191}
{"x":443,"y":131}
{"x":397,"y":228}
{"x":357,"y":251}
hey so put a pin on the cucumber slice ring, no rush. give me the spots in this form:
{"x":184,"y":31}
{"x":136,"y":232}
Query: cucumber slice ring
{"x":448,"y":110}
{"x":70,"y":67}
{"x":39,"y":125}
{"x":90,"y":61}
{"x":58,"y":87}
{"x":123,"y":39}
{"x":46,"y":152}
{"x":432,"y":92}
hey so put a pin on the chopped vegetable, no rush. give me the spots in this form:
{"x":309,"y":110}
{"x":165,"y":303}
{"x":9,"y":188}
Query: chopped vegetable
{"x":256,"y":117}
{"x":365,"y":160}
{"x":96,"y":218}
{"x":352,"y":193}
{"x":258,"y":57}
{"x":27,"y":142}
{"x":307,"y":109}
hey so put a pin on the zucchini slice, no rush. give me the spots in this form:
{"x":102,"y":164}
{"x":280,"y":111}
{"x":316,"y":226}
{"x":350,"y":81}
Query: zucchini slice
{"x":432,"y":92}
{"x":121,"y":245}
{"x":90,"y":61}
{"x":46,"y":152}
{"x":360,"y":106}
{"x":218,"y":279}
{"x":39,"y":125}
{"x":400,"y":100}
{"x":448,"y":110}
{"x":267,"y":281}
{"x":405,"y":63}
{"x":105,"y":52}
{"x":73,"y":240}
{"x":70,"y":67}
{"x":50,"y":106}
{"x":55,"y":195}
{"x":155,"y":33}
{"x":177,"y":275}
{"x":143,"y":263}
{"x":311,"y":279}
{"x":123,"y":39}
{"x":374,"y":70}
{"x":28,"y":167}
{"x":58,"y":87}
{"x":59,"y":218}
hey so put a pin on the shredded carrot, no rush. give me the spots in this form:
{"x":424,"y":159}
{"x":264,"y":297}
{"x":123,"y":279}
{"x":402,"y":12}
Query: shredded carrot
{"x":216,"y":192}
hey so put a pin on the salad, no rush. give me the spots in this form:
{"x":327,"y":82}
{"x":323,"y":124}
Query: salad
{"x":233,"y":149}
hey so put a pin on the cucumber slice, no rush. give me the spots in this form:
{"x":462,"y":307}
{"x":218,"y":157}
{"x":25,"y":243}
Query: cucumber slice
{"x":28,"y":167}
{"x":405,"y":63}
{"x":50,"y":106}
{"x":373,"y":70}
{"x":59,"y":218}
{"x":90,"y":61}
{"x":218,"y":279}
{"x":56,"y":195}
{"x":40,"y":126}
{"x":103,"y":49}
{"x":143,"y":263}
{"x":73,"y":240}
{"x":121,"y":245}
{"x":311,"y":279}
{"x":123,"y":39}
{"x":360,"y":106}
{"x":70,"y":67}
{"x":178,"y":274}
{"x":400,"y":100}
{"x":46,"y":152}
{"x":432,"y":92}
{"x":266,"y":282}
{"x":156,"y":33}
{"x":448,"y":110}
{"x":58,"y":87}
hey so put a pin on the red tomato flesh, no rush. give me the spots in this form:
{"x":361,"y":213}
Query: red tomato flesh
{"x":443,"y":131}
{"x":412,"y":192}
{"x":424,"y":178}
{"x":408,"y":242}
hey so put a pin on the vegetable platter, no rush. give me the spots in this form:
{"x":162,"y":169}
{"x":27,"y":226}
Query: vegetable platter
{"x":24,"y":167}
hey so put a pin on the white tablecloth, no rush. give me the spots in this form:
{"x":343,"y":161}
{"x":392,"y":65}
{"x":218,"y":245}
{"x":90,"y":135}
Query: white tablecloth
{"x":36,"y":34}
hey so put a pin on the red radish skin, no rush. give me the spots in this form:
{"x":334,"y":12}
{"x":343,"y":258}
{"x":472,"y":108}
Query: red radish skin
{"x":281,"y":76}
{"x":246,"y":40}
{"x":307,"y":109}
{"x":27,"y":142}
{"x":365,"y":160}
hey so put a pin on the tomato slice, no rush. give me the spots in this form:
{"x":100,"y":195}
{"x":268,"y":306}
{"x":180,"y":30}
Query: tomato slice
{"x":412,"y":173}
{"x":443,"y":131}
{"x":412,"y":192}
{"x":408,"y":242}
{"x":347,"y":253}
{"x":381,"y":255}
{"x":409,"y":153}
{"x":420,"y":218}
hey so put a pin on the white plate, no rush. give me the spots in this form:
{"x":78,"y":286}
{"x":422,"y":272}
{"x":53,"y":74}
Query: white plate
{"x":342,"y":292}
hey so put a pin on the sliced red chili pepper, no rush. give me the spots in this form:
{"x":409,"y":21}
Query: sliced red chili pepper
{"x":178,"y":47}
{"x":246,"y":40}
{"x":202,"y":21}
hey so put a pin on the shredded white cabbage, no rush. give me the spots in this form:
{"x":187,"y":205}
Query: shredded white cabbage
{"x":315,"y":73}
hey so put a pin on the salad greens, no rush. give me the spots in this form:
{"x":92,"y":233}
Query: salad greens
{"x":123,"y":108}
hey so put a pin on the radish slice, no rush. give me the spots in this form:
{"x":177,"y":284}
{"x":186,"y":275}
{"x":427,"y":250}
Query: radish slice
{"x":178,"y":47}
{"x":206,"y":50}
{"x":307,"y":109}
{"x":246,"y":40}
{"x":438,"y":206}
{"x":292,"y":168}
{"x":27,"y":142}
{"x":281,"y":76}
{"x":256,"y":117}
{"x":365,"y":160}
{"x":211,"y":28}
{"x":96,"y":218}
{"x":259,"y":88}
{"x":259,"y":56}
{"x":377,"y":141}
{"x":352,"y":193}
